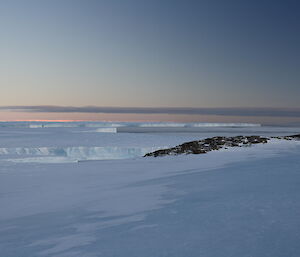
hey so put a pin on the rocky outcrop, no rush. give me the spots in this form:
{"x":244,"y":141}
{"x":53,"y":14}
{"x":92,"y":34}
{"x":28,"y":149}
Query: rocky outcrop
{"x":209,"y":144}
{"x":292,"y":137}
{"x":295,"y":136}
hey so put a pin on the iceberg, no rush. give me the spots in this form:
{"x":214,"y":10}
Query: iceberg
{"x":107,"y":130}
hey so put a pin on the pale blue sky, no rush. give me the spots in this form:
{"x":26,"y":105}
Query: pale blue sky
{"x":164,"y":53}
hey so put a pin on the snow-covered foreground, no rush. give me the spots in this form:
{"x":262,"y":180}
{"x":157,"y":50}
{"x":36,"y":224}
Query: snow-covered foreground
{"x":237,"y":202}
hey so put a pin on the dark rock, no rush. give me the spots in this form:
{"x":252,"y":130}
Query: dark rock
{"x":209,"y":144}
{"x":295,"y":136}
{"x":216,"y":143}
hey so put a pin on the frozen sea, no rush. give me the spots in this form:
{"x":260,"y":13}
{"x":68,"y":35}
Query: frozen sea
{"x":83,"y":189}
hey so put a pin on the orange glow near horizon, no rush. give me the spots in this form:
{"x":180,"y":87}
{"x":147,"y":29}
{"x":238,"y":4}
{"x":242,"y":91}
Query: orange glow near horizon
{"x":44,"y":120}
{"x":116,"y":117}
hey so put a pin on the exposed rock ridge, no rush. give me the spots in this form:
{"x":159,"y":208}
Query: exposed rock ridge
{"x":215,"y":143}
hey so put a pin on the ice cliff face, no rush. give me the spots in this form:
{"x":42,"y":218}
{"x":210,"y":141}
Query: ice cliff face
{"x":76,"y":153}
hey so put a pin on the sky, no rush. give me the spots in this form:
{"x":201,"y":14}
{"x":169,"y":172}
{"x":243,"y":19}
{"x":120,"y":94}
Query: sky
{"x":150,"y":54}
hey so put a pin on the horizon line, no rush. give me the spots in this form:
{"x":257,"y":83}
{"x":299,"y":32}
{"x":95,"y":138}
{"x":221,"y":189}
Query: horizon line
{"x":219,"y":111}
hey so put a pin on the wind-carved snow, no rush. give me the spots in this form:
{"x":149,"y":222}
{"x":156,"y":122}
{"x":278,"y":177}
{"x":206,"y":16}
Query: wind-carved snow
{"x":79,"y":153}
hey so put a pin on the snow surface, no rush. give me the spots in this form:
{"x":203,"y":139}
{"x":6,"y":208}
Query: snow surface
{"x":236,"y":202}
